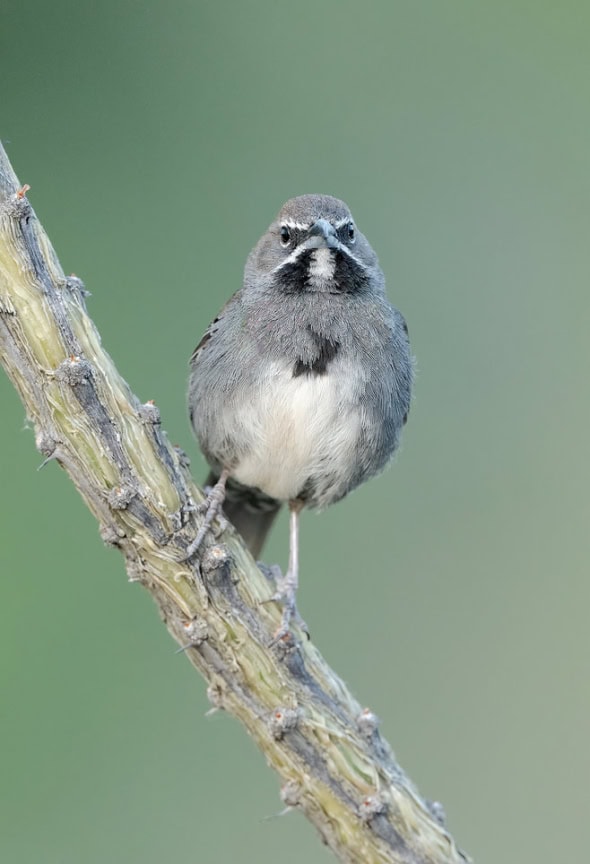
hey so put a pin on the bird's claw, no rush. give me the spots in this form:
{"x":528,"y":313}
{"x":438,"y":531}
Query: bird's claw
{"x":210,"y":508}
{"x":285,"y":594}
{"x":222,"y":521}
{"x":289,"y":617}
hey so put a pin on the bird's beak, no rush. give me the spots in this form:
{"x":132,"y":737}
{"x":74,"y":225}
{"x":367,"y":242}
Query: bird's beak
{"x":323,"y":234}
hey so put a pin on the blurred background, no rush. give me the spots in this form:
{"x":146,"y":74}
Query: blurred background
{"x":159,"y":140}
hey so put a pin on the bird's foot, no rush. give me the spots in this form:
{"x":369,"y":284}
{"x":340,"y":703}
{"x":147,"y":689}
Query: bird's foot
{"x":211,"y":508}
{"x":285,"y":593}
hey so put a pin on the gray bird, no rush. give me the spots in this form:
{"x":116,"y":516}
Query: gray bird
{"x":300,"y":387}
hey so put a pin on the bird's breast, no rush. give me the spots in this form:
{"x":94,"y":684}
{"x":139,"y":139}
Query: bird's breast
{"x":302,"y":433}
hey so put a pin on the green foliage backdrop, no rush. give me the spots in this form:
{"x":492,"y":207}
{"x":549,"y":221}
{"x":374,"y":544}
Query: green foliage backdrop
{"x":159,"y":138}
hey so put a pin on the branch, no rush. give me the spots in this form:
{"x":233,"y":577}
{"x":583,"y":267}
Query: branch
{"x":333,"y":763}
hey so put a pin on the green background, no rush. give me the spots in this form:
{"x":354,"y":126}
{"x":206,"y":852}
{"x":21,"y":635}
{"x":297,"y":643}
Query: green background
{"x":159,"y":139}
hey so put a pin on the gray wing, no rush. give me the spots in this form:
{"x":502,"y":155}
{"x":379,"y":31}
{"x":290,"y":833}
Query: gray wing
{"x":213,"y":365}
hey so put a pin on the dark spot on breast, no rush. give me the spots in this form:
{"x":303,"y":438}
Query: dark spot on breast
{"x":405,"y":419}
{"x":317,"y":363}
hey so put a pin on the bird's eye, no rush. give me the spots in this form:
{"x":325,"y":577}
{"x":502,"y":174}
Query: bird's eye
{"x":285,"y":236}
{"x":351,"y":232}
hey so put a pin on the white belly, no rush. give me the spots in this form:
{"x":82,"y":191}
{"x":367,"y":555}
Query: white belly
{"x":297,"y":428}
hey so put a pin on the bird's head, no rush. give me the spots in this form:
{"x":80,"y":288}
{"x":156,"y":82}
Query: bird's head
{"x":314,"y":246}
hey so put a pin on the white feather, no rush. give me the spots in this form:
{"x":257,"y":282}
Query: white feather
{"x":297,"y":428}
{"x":321,"y":265}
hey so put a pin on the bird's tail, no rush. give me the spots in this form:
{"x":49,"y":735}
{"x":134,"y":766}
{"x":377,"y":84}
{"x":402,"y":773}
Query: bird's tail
{"x":249,"y":510}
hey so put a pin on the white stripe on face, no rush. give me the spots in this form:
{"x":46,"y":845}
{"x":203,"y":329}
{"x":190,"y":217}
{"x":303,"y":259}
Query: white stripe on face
{"x":322,"y":265}
{"x":305,"y":226}
{"x":344,"y":248}
{"x":298,"y":226}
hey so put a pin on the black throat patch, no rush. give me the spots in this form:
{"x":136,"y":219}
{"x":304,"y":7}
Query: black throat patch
{"x":292,"y":277}
{"x":349,"y":276}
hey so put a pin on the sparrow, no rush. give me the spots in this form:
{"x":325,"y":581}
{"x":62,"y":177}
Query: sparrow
{"x":301,"y":385}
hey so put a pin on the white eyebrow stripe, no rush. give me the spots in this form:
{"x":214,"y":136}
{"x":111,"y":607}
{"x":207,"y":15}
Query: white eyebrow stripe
{"x":305,"y":226}
{"x":299,"y":226}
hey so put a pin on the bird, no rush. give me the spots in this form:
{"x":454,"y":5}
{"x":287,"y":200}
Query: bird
{"x":300,"y":387}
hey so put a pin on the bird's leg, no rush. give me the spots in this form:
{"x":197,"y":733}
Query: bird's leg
{"x":211,"y":507}
{"x":287,"y":585}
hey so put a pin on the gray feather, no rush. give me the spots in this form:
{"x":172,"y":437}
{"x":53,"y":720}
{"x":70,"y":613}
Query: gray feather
{"x":302,"y":384}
